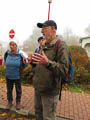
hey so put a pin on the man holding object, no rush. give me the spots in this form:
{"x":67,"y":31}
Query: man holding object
{"x":50,"y":70}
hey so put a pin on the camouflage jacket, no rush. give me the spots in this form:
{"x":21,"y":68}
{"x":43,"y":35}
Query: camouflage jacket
{"x":47,"y":80}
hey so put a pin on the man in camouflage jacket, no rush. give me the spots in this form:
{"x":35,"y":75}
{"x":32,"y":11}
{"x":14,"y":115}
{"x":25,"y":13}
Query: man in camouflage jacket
{"x":51,"y":68}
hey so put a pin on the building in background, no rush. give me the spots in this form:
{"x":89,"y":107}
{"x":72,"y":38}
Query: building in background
{"x":85,"y":43}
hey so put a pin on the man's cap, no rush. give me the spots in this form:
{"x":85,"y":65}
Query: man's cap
{"x":14,"y":41}
{"x":40,"y":38}
{"x":47,"y":23}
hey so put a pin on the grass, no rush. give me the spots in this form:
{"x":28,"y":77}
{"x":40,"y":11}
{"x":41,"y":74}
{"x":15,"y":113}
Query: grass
{"x":77,"y":88}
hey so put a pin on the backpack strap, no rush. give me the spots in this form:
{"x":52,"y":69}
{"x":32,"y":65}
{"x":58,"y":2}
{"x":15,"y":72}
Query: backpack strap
{"x":57,"y":45}
{"x":5,"y":55}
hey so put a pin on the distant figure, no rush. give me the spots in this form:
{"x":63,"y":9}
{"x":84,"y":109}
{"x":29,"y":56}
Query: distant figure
{"x":41,"y":42}
{"x":51,"y":67}
{"x":14,"y":65}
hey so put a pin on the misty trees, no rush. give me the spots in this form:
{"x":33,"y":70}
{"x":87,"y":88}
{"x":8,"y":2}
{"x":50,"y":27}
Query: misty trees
{"x":87,"y":30}
{"x":31,"y":43}
{"x":1,"y":48}
{"x":70,"y":38}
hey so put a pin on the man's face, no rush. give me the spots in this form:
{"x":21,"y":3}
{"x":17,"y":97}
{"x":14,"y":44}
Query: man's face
{"x":47,"y":32}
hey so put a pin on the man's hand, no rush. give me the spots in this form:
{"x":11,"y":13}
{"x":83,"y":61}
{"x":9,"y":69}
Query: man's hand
{"x":40,"y":58}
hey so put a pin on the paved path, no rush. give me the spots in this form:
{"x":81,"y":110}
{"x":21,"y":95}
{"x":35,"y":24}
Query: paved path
{"x":74,"y":106}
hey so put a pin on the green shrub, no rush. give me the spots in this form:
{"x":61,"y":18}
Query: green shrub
{"x":82,"y":65}
{"x":2,"y":73}
{"x":27,"y":74}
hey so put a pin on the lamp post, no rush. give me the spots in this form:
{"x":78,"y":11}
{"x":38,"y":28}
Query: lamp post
{"x":49,"y":1}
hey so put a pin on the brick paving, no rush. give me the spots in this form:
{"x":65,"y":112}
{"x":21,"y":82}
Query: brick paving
{"x":74,"y":106}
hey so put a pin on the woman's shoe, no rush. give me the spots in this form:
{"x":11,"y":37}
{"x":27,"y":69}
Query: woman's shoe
{"x":18,"y":106}
{"x":9,"y":105}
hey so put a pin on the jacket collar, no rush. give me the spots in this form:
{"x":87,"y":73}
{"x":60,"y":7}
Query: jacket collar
{"x":52,"y":43}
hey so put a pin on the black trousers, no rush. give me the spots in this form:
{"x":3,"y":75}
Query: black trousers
{"x":10,"y":84}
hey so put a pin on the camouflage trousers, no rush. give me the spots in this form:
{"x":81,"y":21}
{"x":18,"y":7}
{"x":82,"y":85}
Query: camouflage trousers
{"x":45,"y":106}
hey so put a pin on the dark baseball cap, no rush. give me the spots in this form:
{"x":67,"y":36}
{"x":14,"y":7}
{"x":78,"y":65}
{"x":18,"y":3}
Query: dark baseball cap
{"x":47,"y":23}
{"x":40,"y":38}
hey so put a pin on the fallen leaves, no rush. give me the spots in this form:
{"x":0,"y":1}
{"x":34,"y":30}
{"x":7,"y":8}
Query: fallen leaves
{"x":13,"y":116}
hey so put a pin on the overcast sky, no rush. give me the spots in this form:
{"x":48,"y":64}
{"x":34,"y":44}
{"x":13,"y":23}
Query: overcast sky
{"x":23,"y":15}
